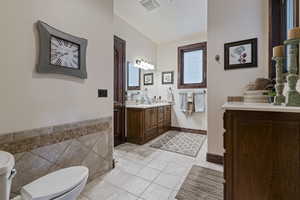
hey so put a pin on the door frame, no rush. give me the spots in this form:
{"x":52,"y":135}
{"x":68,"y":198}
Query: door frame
{"x":123,"y":72}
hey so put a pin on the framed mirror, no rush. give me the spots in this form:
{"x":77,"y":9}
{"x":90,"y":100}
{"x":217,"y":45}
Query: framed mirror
{"x":133,"y":77}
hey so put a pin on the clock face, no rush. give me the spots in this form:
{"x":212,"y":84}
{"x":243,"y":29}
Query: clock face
{"x":64,"y":53}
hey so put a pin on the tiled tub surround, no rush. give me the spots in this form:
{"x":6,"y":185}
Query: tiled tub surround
{"x":41,"y":151}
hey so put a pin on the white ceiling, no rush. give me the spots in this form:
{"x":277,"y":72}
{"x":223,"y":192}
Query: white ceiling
{"x":173,"y":20}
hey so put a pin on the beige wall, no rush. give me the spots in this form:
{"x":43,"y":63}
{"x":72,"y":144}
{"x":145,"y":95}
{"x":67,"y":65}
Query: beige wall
{"x":229,"y":21}
{"x":138,"y":46}
{"x":167,"y":61}
{"x":164,"y":57}
{"x":30,"y":100}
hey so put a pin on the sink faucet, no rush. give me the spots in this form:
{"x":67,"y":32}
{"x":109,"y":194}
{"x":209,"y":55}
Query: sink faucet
{"x":133,"y":95}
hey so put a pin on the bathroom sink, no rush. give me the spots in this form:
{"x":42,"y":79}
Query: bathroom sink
{"x":146,"y":105}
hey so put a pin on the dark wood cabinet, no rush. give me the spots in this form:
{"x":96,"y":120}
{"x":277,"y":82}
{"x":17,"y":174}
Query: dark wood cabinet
{"x":262,"y":155}
{"x":145,"y":124}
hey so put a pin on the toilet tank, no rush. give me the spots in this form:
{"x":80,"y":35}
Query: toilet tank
{"x":7,"y":172}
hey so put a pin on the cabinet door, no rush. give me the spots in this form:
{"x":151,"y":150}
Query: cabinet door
{"x":252,"y":159}
{"x":154,"y":120}
{"x":286,"y":160}
{"x":161,"y":114}
{"x":262,"y":159}
{"x":167,"y":118}
{"x":150,"y":118}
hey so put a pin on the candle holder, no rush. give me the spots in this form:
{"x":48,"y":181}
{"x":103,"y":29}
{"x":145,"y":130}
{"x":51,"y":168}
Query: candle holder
{"x":279,"y":98}
{"x":293,"y":96}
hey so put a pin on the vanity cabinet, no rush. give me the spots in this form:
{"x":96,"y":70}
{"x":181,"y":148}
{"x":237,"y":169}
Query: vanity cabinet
{"x":262,"y":155}
{"x":145,"y":124}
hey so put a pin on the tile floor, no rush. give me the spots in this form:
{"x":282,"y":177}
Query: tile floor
{"x":145,"y":173}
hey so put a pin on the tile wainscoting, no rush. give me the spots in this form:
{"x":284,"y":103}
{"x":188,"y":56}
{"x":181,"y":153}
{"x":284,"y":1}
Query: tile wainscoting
{"x":42,"y":151}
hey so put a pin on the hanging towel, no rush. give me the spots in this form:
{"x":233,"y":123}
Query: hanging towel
{"x":190,"y":97}
{"x":199,"y":102}
{"x":183,"y":102}
{"x":170,"y":96}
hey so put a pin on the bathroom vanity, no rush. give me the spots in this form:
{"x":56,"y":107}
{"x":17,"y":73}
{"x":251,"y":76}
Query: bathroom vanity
{"x":146,"y":122}
{"x":262,"y":152}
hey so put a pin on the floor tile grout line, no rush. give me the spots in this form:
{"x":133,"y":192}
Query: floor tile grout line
{"x":199,"y":161}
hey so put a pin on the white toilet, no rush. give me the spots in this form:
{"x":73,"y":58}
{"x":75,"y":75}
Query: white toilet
{"x":64,"y":184}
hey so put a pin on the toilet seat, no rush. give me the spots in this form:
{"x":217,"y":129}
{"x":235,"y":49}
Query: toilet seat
{"x":56,"y":185}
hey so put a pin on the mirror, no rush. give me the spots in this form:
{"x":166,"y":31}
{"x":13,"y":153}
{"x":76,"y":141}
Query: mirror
{"x":133,"y":77}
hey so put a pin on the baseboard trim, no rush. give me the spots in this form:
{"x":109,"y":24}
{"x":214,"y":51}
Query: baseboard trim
{"x":202,"y":132}
{"x":213,"y":158}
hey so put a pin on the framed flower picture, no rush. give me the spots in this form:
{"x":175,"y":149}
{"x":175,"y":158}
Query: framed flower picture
{"x":242,"y":54}
{"x":148,"y":79}
{"x":167,"y":78}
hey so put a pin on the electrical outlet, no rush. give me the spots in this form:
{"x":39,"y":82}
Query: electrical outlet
{"x":102,"y":93}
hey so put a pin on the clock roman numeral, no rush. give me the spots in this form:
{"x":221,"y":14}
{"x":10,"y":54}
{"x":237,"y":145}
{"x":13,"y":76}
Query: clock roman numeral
{"x":58,"y":62}
{"x":59,"y":41}
{"x":52,"y":43}
{"x":75,"y":62}
{"x":66,"y":43}
{"x":54,"y":56}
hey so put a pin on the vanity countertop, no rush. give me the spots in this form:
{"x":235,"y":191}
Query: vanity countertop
{"x":145,"y":106}
{"x":266,"y":107}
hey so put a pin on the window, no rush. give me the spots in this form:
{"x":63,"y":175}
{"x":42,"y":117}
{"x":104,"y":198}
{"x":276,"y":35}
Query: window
{"x":192,"y":66}
{"x":284,"y":15}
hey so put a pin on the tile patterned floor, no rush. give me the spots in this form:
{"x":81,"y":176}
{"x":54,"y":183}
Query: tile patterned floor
{"x":145,"y":173}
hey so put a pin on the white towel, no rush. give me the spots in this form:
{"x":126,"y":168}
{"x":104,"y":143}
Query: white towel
{"x":170,"y":96}
{"x":199,"y":102}
{"x":183,"y":102}
{"x":190,"y":97}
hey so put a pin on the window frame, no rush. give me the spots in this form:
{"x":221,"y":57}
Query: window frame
{"x":189,"y":48}
{"x":278,"y":28}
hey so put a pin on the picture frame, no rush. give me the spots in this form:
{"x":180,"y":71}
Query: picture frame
{"x":148,"y":79}
{"x":167,"y":78}
{"x":60,"y":52}
{"x":241,"y":54}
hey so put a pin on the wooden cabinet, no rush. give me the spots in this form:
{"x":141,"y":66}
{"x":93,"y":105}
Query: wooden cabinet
{"x":262,"y":155}
{"x":146,"y":124}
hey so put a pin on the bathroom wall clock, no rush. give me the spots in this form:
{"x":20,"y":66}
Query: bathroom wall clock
{"x":61,"y":53}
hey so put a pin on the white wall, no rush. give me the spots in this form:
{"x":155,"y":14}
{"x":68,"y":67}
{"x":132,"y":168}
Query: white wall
{"x":229,"y":21}
{"x":167,"y":60}
{"x":30,"y":100}
{"x":138,"y":46}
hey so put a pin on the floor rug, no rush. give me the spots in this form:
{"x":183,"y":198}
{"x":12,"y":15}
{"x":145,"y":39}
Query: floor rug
{"x":202,"y":184}
{"x":179,"y":142}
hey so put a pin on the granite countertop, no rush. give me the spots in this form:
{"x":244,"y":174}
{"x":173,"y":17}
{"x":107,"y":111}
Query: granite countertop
{"x":145,"y":106}
{"x":259,"y":107}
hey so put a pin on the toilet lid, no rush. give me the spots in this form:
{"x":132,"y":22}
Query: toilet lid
{"x":55,"y":184}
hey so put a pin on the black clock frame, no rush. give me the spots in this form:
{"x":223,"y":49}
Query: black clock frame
{"x":44,"y":64}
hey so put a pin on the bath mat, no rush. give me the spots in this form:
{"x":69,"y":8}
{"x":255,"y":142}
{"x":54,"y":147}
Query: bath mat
{"x":202,"y":184}
{"x":179,"y":142}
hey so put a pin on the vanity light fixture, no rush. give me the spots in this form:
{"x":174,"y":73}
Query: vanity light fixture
{"x":144,"y":65}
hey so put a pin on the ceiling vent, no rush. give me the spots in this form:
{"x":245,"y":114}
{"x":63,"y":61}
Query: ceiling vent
{"x":150,"y":4}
